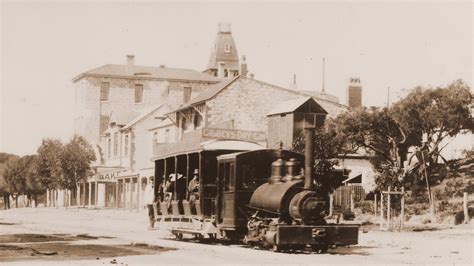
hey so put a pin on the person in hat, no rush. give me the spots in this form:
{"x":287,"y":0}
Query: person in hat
{"x":169,"y":186}
{"x":149,"y":198}
{"x":180,"y":187}
{"x":193,"y":189}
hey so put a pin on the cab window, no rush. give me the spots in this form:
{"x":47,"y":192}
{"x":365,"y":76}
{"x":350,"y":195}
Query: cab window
{"x":229,"y":178}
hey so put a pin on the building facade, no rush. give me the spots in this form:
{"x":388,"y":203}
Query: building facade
{"x":234,"y":109}
{"x":114,"y":89}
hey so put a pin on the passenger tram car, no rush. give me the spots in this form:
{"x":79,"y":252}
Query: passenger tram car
{"x":261,"y":198}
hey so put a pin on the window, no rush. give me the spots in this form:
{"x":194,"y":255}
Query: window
{"x":197,"y":121}
{"x":138,"y":93}
{"x":184,"y":124}
{"x":116,"y":136}
{"x":104,"y":123}
{"x":167,"y":135}
{"x":155,"y":137}
{"x":109,"y":145}
{"x":227,"y":48}
{"x":229,"y":180}
{"x":231,"y":176}
{"x":126,"y":145}
{"x":187,"y":94}
{"x":104,"y":91}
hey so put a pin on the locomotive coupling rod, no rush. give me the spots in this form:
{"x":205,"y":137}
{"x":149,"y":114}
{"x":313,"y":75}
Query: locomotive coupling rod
{"x":309,"y":158}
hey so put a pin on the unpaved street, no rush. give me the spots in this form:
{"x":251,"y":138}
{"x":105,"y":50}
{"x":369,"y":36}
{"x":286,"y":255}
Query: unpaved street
{"x":118,"y":232}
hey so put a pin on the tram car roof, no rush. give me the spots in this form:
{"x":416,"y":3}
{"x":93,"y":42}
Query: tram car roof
{"x":263,"y":153}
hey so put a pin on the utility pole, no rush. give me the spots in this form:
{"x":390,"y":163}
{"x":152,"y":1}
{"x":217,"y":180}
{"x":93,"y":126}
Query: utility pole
{"x":324,"y":66}
{"x":388,"y":96}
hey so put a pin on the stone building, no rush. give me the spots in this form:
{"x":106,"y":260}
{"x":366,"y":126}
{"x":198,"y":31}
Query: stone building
{"x":235,"y":109}
{"x":102,"y":92}
{"x":126,"y":168}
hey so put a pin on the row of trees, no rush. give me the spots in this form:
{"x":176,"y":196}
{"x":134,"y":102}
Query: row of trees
{"x":403,"y":141}
{"x":55,"y":166}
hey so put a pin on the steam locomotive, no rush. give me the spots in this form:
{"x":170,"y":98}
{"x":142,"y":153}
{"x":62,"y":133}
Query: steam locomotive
{"x":261,"y":198}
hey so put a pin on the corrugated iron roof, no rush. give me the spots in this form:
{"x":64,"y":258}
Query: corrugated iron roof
{"x":290,"y":106}
{"x":331,"y":107}
{"x":211,"y":91}
{"x":145,"y":112}
{"x":112,"y":70}
{"x":122,"y":117}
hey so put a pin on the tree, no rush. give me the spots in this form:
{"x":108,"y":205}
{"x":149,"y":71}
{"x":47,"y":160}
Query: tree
{"x":430,"y":116}
{"x":5,"y":158}
{"x":62,"y":166}
{"x":389,"y":133}
{"x":21,"y":177}
{"x":76,"y":158}
{"x":32,"y":181}
{"x":376,"y":132}
{"x":49,"y":163}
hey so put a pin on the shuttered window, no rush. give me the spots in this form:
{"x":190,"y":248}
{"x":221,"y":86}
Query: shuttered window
{"x":187,"y":94}
{"x":104,"y":123}
{"x":126,"y":145}
{"x":116,"y":141}
{"x":104,"y":91}
{"x":138,"y":93}
{"x":109,"y":145}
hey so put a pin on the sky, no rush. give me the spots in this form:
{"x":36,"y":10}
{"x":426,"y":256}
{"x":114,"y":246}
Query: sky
{"x":400,"y":45}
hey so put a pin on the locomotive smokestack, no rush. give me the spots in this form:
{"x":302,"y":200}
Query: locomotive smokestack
{"x":309,"y":158}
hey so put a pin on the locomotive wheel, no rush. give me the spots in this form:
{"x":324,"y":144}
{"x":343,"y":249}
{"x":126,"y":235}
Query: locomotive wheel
{"x":276,"y":248}
{"x":178,"y":236}
{"x":198,"y":236}
{"x":320,"y":248}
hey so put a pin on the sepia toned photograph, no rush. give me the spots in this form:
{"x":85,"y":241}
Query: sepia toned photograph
{"x":244,"y":132}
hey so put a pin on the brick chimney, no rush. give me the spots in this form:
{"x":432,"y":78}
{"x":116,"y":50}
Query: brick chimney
{"x":243,"y":67}
{"x":220,"y":69}
{"x":130,"y":64}
{"x":354,"y":93}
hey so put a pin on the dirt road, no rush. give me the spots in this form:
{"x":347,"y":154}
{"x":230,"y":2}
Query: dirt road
{"x":119,"y":232}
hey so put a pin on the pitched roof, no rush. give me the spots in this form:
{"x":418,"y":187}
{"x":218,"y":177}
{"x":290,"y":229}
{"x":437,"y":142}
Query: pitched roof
{"x":145,"y":112}
{"x":112,"y":70}
{"x":291,"y":106}
{"x":321,"y":95}
{"x":224,"y":51}
{"x":211,"y":91}
{"x":332,"y":108}
{"x":122,"y":117}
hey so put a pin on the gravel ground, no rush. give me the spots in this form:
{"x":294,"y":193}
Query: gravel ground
{"x":452,"y":246}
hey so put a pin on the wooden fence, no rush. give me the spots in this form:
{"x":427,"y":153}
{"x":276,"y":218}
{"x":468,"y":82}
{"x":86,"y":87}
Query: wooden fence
{"x":342,"y":196}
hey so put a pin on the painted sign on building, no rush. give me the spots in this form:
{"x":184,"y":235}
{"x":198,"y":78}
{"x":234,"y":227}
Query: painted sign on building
{"x":220,"y":133}
{"x":109,"y":176}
